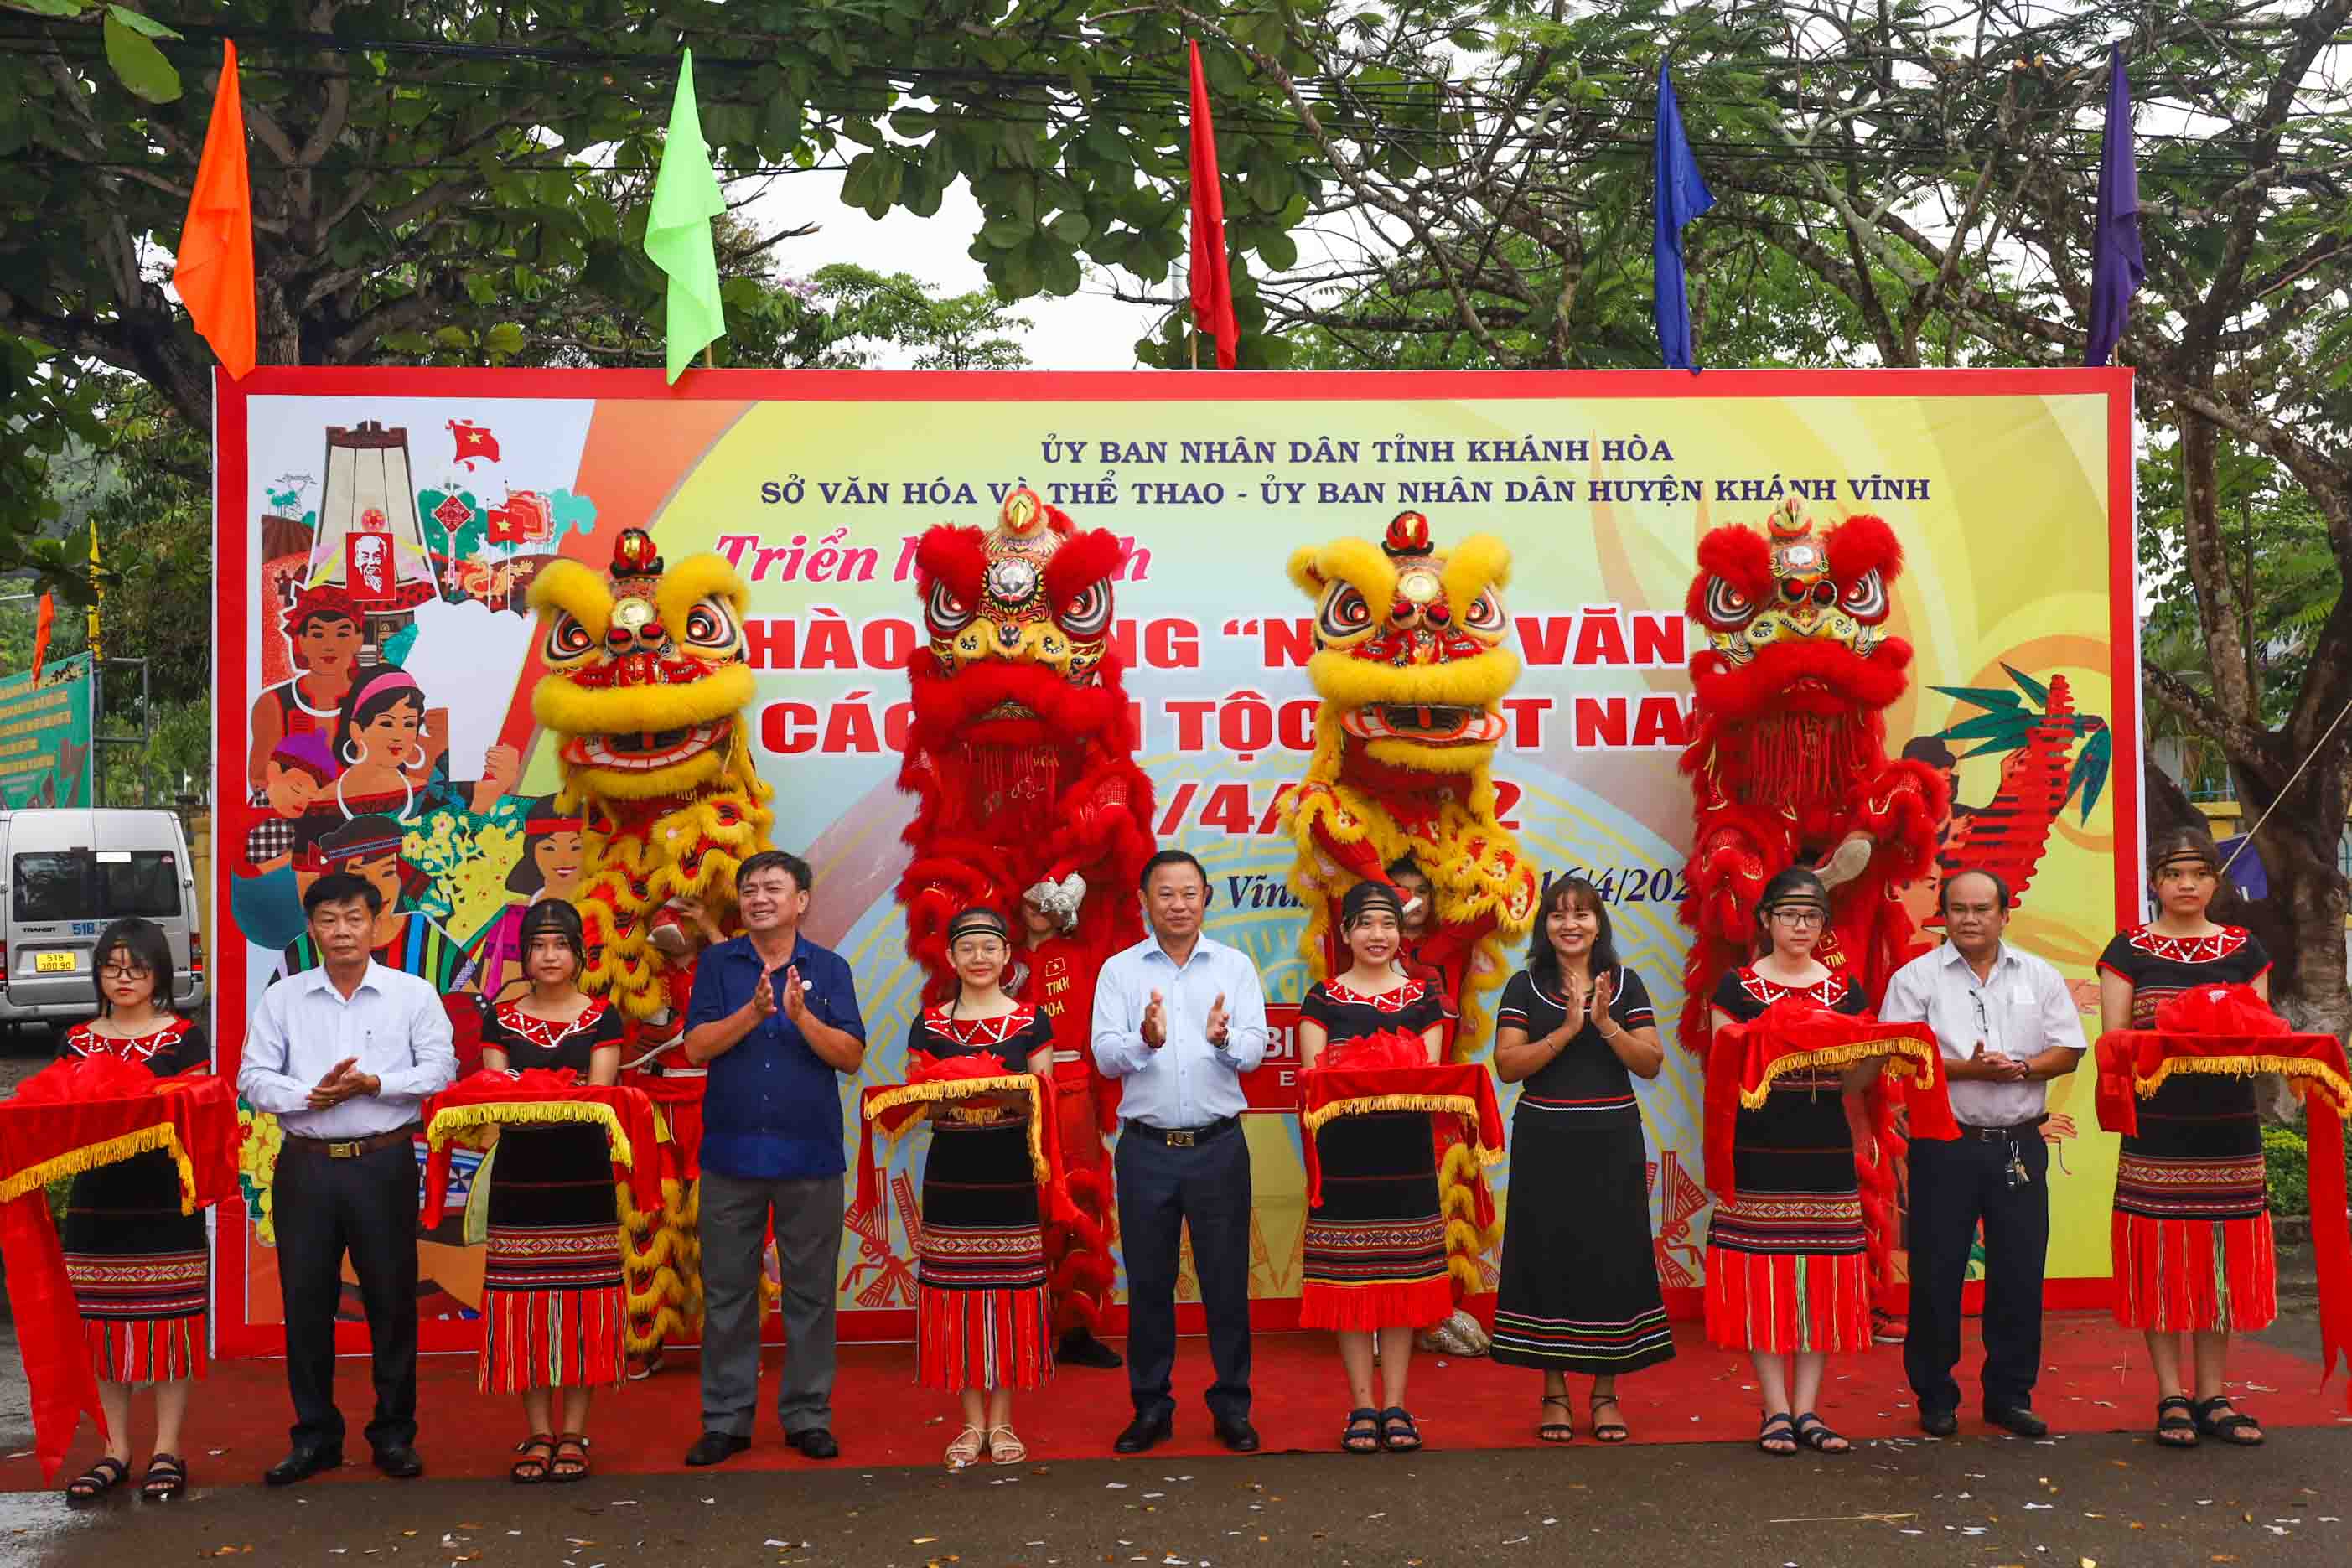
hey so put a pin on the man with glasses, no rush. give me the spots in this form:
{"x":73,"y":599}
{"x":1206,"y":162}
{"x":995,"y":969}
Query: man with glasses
{"x":2006,"y":1026}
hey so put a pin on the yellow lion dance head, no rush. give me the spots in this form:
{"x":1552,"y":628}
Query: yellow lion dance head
{"x":647,"y":682}
{"x":1409,"y":657}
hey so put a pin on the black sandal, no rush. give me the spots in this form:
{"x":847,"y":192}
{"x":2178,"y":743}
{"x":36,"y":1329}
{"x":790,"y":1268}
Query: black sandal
{"x":101,"y":1478}
{"x":1608,"y":1431}
{"x":1398,"y":1433}
{"x":532,"y":1468}
{"x":1820,"y":1435}
{"x":167,"y":1477}
{"x":1363,"y":1432}
{"x":1766,"y":1434}
{"x":2226,"y":1427}
{"x":1567,"y":1429}
{"x":2169,"y":1419}
{"x":571,"y":1459}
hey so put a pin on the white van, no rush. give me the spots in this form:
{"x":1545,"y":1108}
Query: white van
{"x":64,"y":875}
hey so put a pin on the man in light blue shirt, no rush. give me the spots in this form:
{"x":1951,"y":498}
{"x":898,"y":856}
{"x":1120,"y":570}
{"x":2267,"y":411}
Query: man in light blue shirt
{"x":1178,"y":1018}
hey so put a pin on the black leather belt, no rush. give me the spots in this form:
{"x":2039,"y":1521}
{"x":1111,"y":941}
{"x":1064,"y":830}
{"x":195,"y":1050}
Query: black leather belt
{"x":2005,"y":1134}
{"x":351,"y":1148}
{"x":1185,"y":1137}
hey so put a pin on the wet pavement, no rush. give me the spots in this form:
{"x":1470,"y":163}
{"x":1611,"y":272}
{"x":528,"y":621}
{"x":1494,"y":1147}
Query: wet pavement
{"x":2108,"y":1500}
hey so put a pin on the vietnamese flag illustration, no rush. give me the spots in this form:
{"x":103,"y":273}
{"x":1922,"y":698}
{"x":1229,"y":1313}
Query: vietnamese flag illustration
{"x":475,"y":443}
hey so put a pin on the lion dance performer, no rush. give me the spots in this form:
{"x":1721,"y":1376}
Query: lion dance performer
{"x":1789,"y":767}
{"x":1021,"y":758}
{"x":1410,"y":665}
{"x":647,"y":684}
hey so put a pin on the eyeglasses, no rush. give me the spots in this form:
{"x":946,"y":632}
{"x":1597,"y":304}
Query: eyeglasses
{"x":123,"y":972}
{"x":1799,"y":919}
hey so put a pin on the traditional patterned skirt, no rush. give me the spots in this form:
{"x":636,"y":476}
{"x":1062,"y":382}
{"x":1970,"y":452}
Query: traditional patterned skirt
{"x":1375,"y":1247}
{"x":1787,"y":1265}
{"x":553,"y":1306}
{"x":982,"y":1317}
{"x":1580,"y":1287}
{"x":139,"y":1270}
{"x":2191,"y":1230}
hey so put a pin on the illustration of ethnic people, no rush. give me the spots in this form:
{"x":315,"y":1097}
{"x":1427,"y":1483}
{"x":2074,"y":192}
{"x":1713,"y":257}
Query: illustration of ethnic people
{"x":553,"y":856}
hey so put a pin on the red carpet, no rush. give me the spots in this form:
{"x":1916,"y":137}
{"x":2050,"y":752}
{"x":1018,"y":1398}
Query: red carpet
{"x":2093,"y":1381}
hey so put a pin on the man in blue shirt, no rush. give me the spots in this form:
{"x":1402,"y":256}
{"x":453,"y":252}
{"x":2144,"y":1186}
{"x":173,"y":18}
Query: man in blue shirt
{"x":775,"y":1018}
{"x":1178,"y":1020}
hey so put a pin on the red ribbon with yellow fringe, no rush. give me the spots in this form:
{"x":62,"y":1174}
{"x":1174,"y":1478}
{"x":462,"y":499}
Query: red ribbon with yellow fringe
{"x":1391,"y":1072}
{"x":1794,"y":1035}
{"x":2230,"y":1030}
{"x":937,"y":1082}
{"x":74,"y":1115}
{"x":543,"y":1097}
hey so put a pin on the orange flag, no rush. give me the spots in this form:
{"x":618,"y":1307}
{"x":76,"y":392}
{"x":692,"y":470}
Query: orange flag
{"x":215,"y":275}
{"x":44,"y":621}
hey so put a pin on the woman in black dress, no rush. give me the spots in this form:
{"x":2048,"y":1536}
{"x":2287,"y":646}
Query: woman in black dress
{"x":1375,"y":1246}
{"x":1580,"y":1288}
{"x":1788,"y":1275}
{"x":982,"y":1321}
{"x":552,"y":1299}
{"x":138,"y":1267}
{"x":2192,"y":1232}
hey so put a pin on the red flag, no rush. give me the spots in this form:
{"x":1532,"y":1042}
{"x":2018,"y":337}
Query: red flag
{"x":214,"y":272}
{"x":43,"y":621}
{"x":1213,"y":284}
{"x":473,"y":441}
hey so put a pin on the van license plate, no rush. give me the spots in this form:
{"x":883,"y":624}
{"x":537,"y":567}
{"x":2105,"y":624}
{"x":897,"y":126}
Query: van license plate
{"x":54,"y":964}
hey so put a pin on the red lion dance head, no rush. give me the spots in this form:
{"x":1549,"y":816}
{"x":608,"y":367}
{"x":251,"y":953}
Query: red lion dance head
{"x":1021,"y":753}
{"x":1789,"y":767}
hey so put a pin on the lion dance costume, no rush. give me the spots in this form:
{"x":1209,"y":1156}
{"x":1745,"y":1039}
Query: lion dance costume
{"x":647,"y":684}
{"x":1021,"y":758}
{"x":1789,"y":767}
{"x":1410,"y":665}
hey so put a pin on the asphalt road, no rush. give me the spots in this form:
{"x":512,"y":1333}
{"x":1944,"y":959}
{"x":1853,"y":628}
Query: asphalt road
{"x":2110,"y":1500}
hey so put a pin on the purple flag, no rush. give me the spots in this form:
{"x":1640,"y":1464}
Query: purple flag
{"x":2117,"y":264}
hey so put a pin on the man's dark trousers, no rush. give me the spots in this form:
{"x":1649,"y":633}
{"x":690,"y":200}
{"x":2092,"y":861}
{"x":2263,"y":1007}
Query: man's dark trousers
{"x":1954,"y":1185}
{"x":1163,"y":1188}
{"x":365,"y":1206}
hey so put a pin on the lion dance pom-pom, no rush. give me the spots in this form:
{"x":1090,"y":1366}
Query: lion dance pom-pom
{"x":1021,"y":758}
{"x":1788,"y":766}
{"x":648,"y":686}
{"x":1410,"y":665}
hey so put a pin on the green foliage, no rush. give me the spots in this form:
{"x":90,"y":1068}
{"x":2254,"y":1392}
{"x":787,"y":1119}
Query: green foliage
{"x":470,"y":185}
{"x":958,"y":332}
{"x":2286,"y":1168}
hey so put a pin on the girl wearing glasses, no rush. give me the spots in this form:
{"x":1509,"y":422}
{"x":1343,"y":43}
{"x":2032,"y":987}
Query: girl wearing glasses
{"x":138,"y":1266}
{"x":1787,"y":1274}
{"x":2192,"y":1232}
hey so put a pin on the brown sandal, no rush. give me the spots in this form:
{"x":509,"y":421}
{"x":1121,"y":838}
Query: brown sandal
{"x":534,"y":1466}
{"x":1566,"y":1430}
{"x":571,"y":1459}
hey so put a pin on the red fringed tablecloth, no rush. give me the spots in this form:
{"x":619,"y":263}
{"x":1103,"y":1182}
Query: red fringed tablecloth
{"x":72,"y":1116}
{"x":937,"y":1080}
{"x":2230,"y":1030}
{"x":1459,"y":1096}
{"x":1794,"y":1035}
{"x":542,"y":1097}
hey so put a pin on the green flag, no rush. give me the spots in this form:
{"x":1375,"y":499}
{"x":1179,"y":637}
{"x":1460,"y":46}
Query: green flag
{"x":678,"y":232}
